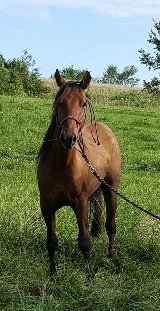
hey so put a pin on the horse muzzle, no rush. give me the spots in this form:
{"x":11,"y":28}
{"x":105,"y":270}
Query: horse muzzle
{"x":68,"y":141}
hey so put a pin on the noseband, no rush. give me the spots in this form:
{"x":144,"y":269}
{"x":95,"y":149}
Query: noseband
{"x":69,"y":117}
{"x":78,"y":122}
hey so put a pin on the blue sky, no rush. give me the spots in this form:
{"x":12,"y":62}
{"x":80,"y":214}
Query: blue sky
{"x":85,"y":33}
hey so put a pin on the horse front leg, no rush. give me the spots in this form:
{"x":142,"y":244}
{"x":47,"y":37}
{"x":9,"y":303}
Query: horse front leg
{"x":81,"y":212}
{"x":52,"y":240}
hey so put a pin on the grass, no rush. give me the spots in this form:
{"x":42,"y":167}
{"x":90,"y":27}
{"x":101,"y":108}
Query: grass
{"x":24,"y":276}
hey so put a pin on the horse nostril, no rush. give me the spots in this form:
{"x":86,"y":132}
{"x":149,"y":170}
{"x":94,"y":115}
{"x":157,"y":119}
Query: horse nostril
{"x":63,"y":138}
{"x":74,"y":139}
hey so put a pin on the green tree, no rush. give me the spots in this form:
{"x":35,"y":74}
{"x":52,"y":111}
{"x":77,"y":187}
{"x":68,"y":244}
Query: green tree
{"x":126,"y":77}
{"x":70,"y":73}
{"x":20,"y":76}
{"x":15,"y":83}
{"x":152,"y":61}
{"x":30,"y":75}
{"x":110,"y":75}
{"x":4,"y":76}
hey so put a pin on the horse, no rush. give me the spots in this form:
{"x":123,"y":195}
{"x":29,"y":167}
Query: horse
{"x":64,"y":179}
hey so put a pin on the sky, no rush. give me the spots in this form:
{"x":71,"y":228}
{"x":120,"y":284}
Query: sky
{"x":88,"y":34}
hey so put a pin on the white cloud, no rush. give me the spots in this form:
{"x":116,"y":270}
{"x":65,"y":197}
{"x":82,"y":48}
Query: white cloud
{"x":117,"y":8}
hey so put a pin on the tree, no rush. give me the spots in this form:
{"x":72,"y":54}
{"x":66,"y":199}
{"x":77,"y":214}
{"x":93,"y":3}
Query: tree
{"x":20,"y":76}
{"x":152,"y":61}
{"x":126,"y":77}
{"x":70,"y":73}
{"x":4,"y":75}
{"x":110,"y":75}
{"x":30,"y":76}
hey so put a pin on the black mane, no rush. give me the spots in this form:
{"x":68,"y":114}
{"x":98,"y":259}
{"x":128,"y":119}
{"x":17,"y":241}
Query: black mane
{"x":47,"y":142}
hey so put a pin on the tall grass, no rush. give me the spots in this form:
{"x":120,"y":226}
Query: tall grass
{"x":114,"y":95}
{"x":24,"y":275}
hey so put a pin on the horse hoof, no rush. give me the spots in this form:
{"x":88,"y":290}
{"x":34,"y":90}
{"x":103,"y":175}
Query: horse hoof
{"x":111,"y":255}
{"x":116,"y":266}
{"x":95,"y":233}
{"x":52,"y":269}
{"x":86,"y":256}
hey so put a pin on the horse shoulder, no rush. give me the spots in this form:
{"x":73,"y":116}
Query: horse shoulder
{"x":106,"y":155}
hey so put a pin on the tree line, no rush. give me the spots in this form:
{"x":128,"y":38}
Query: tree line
{"x":21,"y":76}
{"x":111,"y":75}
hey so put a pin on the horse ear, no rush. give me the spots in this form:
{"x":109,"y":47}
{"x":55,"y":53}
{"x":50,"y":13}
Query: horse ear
{"x":86,"y":80}
{"x":59,"y":79}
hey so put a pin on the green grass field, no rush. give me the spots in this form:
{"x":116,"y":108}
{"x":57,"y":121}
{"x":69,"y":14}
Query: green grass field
{"x":24,"y":277}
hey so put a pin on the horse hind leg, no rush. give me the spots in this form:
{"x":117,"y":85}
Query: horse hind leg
{"x":97,"y":216}
{"x":81,"y":212}
{"x":110,"y":225}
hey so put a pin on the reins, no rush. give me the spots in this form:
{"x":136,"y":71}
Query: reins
{"x":93,"y":118}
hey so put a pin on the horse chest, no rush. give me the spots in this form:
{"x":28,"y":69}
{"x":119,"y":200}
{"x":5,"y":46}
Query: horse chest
{"x":65,"y":186}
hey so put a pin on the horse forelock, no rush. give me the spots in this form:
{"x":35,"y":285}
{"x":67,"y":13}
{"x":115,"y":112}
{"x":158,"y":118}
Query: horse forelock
{"x":70,"y":86}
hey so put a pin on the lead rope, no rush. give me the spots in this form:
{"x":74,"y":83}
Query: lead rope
{"x":95,"y":123}
{"x":103,"y":182}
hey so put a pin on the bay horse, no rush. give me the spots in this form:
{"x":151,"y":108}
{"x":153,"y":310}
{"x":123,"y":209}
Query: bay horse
{"x":64,"y":179}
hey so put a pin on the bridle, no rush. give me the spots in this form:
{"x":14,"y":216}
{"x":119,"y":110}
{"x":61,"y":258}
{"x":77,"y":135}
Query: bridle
{"x":78,"y":121}
{"x":69,"y":117}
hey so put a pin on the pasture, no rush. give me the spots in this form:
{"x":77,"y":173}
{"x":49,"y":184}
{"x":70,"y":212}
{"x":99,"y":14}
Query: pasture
{"x":24,"y":276}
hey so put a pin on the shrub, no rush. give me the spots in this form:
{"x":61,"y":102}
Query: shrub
{"x":20,"y":76}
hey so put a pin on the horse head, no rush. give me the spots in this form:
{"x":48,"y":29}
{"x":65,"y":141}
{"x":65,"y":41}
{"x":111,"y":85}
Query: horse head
{"x":70,"y":104}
